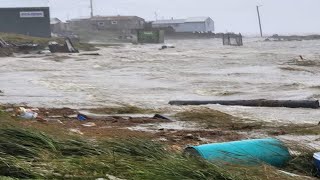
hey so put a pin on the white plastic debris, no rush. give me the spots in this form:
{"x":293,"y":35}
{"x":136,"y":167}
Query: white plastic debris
{"x":27,"y":113}
{"x":77,"y":131}
{"x":113,"y":177}
{"x":89,"y":124}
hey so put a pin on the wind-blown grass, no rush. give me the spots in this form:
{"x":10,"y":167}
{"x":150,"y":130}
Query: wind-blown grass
{"x":130,"y":159}
{"x":302,"y":160}
{"x":19,"y":142}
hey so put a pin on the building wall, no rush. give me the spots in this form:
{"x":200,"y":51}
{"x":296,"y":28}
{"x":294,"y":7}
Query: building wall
{"x":184,"y":27}
{"x":11,"y":21}
{"x":117,"y":24}
{"x":59,"y":27}
{"x":164,"y":25}
{"x":191,"y":27}
{"x":210,"y":25}
{"x":206,"y":26}
{"x":79,"y":25}
{"x":101,"y":25}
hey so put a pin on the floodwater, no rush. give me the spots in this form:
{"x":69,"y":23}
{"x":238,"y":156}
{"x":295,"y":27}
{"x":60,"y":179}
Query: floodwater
{"x":144,"y":76}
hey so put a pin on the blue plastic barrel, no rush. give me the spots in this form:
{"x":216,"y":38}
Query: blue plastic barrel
{"x":82,"y":117}
{"x":247,"y":152}
{"x":316,"y":158}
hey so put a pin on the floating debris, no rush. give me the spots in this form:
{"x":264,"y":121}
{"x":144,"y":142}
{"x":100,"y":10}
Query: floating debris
{"x":167,"y":46}
{"x":255,"y":103}
{"x":159,"y":116}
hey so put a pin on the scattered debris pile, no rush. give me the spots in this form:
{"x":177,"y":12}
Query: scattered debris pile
{"x":27,"y":47}
{"x":277,"y":37}
{"x":3,"y":43}
{"x":67,"y":47}
{"x":5,"y":48}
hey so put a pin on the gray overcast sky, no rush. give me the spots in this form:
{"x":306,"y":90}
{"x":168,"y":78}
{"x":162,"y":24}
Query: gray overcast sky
{"x":278,"y":16}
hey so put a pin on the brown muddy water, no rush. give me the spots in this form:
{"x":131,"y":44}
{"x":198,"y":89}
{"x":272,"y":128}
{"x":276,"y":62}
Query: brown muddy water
{"x":142,"y":75}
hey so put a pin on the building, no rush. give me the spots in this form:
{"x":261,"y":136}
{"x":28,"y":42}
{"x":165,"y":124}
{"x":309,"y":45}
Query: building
{"x":108,"y":23}
{"x":57,"y":26}
{"x":194,"y":24}
{"x":31,"y":18}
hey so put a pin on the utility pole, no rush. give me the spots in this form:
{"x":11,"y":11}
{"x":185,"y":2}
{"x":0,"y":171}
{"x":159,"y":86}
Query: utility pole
{"x":91,"y":8}
{"x":261,"y":34}
{"x":156,"y":15}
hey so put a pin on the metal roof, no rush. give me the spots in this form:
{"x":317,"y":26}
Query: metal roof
{"x":108,"y":18}
{"x":197,"y":19}
{"x":55,"y":21}
{"x":116,"y":18}
{"x":23,"y":3}
{"x":180,"y":21}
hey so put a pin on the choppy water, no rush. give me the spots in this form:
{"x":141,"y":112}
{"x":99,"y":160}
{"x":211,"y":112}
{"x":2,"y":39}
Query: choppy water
{"x":144,"y":76}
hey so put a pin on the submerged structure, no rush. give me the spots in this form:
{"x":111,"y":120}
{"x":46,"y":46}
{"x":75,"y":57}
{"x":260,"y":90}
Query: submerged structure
{"x":231,"y":39}
{"x":152,"y":36}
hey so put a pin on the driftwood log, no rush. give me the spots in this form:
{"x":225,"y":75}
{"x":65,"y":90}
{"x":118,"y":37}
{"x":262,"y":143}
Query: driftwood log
{"x":255,"y":103}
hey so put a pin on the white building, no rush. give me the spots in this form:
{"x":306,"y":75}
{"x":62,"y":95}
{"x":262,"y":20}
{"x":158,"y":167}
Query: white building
{"x":194,"y":24}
